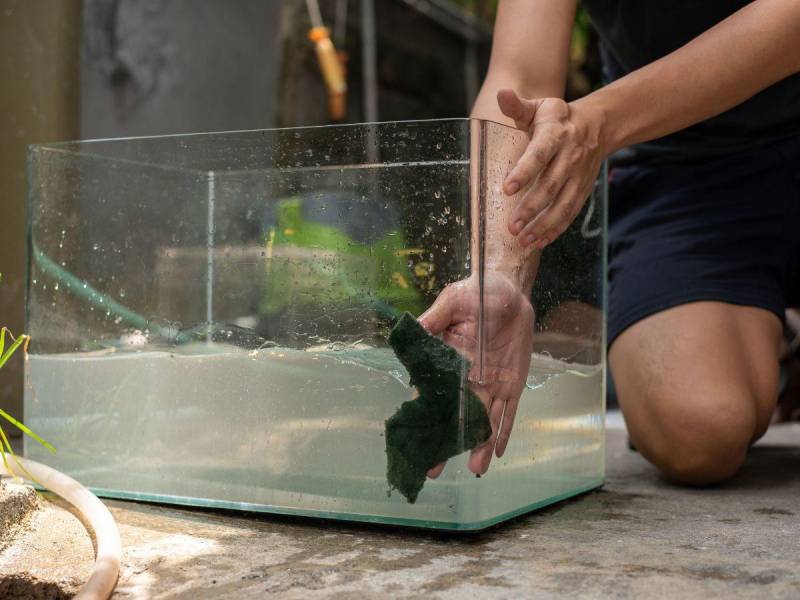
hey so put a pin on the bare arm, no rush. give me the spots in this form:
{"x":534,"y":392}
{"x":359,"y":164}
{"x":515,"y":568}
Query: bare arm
{"x":752,"y":49}
{"x":747,"y":52}
{"x":530,"y":53}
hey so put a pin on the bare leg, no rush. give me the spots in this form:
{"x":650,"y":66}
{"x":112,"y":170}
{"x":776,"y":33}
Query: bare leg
{"x":697,"y":385}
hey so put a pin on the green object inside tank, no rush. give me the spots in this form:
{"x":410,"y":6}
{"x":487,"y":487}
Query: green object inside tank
{"x":429,"y":430}
{"x":314,"y":263}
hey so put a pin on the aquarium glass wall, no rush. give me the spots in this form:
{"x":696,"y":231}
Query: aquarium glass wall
{"x":227,"y":320}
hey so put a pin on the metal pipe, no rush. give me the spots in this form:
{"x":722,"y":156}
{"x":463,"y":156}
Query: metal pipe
{"x":369,"y":61}
{"x":313,"y":13}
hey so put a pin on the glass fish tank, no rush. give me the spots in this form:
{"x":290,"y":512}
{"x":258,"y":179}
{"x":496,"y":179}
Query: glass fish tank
{"x":230,"y":320}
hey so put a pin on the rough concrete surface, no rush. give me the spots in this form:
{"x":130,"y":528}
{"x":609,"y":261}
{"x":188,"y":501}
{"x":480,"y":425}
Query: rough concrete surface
{"x":637,"y":537}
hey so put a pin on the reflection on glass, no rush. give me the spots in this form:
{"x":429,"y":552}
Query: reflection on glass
{"x":210,"y":316}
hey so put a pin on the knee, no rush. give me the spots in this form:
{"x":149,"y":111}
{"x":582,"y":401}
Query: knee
{"x":703,"y":447}
{"x":702,"y":458}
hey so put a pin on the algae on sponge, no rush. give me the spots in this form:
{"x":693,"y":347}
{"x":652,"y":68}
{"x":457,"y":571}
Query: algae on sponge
{"x":428,"y":430}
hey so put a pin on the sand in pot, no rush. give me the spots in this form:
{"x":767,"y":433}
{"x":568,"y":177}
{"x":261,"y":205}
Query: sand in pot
{"x":17,"y":503}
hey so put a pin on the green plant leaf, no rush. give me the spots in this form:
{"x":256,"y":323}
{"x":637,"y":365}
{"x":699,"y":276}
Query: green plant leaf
{"x":4,"y":356}
{"x":25,"y":429}
{"x":10,"y":450}
{"x":17,"y":343}
{"x":3,"y":451}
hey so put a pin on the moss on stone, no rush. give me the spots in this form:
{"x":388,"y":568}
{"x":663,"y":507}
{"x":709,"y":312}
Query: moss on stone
{"x":429,"y":429}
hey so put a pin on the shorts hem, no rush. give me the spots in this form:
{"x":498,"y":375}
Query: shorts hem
{"x":632,"y":317}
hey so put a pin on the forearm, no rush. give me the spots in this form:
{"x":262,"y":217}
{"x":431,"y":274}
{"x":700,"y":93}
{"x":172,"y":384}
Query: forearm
{"x":530,"y":54}
{"x":502,"y":252}
{"x":752,"y":49}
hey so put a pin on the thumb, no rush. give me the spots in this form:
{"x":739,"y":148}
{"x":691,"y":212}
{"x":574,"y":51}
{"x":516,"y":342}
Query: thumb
{"x":439,"y":316}
{"x":517,"y":108}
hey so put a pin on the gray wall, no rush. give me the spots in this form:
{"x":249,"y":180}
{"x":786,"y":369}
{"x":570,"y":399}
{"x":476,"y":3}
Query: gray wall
{"x":174,"y":66}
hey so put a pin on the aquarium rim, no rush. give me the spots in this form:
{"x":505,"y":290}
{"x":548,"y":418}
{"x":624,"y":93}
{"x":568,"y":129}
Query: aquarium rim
{"x":80,"y":147}
{"x":56,"y":145}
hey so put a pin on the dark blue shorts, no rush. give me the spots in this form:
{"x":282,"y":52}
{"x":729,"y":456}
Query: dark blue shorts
{"x":726,"y":230}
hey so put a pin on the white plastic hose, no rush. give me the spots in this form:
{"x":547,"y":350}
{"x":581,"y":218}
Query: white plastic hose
{"x":106,"y":565}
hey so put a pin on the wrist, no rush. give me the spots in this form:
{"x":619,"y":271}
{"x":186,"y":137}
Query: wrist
{"x":595,"y":113}
{"x":519,"y":272}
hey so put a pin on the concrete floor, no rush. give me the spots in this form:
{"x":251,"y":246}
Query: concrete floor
{"x":637,"y":537}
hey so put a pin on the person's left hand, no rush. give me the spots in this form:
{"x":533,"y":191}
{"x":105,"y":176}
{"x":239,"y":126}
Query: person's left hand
{"x":560,"y":165}
{"x":506,"y":314}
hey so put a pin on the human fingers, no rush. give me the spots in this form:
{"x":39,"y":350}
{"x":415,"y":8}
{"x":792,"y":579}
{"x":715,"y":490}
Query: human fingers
{"x":517,"y":108}
{"x":506,"y":426}
{"x":556,"y":218}
{"x":441,"y":313}
{"x":437,"y":470}
{"x":539,"y":196}
{"x":463,"y":344}
{"x":539,"y":152}
{"x":481,"y":456}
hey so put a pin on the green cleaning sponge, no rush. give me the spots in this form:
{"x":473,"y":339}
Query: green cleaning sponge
{"x":428,"y":430}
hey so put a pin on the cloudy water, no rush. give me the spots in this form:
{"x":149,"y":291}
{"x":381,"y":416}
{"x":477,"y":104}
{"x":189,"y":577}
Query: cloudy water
{"x":300,"y":431}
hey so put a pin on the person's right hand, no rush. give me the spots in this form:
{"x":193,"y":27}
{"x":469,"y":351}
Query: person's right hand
{"x":500,"y":377}
{"x":559,"y":166}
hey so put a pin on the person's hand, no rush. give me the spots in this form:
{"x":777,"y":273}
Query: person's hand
{"x":559,"y":165}
{"x":508,"y":343}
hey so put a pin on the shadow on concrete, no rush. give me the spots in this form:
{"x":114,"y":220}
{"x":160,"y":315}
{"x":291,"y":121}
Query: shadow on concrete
{"x":309,"y":524}
{"x":768,"y":467}
{"x":27,"y":587}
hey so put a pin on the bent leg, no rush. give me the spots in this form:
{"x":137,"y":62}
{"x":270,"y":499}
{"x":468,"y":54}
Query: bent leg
{"x":697,"y":385}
